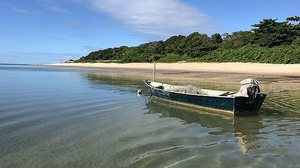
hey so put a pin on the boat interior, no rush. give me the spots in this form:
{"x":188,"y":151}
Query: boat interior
{"x":190,"y":90}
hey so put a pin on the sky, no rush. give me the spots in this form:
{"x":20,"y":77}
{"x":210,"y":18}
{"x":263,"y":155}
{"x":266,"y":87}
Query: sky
{"x":51,"y":31}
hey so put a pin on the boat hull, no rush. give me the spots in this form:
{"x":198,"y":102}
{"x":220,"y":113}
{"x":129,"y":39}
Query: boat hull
{"x":234,"y":105}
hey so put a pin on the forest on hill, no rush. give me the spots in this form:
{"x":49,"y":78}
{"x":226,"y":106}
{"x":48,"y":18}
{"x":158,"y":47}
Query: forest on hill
{"x":269,"y":41}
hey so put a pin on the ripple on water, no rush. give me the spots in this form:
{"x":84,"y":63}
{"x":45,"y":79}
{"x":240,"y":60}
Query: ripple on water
{"x":287,"y":103}
{"x":75,"y":120}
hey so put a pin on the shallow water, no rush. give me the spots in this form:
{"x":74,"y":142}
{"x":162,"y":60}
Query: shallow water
{"x":52,"y":117}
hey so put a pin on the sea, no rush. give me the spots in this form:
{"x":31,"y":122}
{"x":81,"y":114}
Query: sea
{"x":72,"y":117}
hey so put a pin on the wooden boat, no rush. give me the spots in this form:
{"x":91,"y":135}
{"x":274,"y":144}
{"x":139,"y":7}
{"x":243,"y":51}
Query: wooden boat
{"x":247,"y":101}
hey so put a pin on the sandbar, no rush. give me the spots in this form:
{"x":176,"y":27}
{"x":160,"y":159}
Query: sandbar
{"x":272,"y":76}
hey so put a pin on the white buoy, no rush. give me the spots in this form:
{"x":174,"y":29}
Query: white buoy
{"x":139,"y":92}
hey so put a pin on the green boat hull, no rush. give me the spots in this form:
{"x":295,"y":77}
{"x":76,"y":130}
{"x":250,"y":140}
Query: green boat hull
{"x":234,"y":105}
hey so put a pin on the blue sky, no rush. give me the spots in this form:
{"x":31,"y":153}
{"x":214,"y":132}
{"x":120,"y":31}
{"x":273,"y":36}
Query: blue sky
{"x":49,"y":31}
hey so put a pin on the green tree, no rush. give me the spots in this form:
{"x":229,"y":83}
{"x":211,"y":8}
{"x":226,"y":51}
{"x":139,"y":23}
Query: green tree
{"x":216,"y":38}
{"x":294,"y":19}
{"x":238,"y":39}
{"x":269,"y":41}
{"x":270,"y":33}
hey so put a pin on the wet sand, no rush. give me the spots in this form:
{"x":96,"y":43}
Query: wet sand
{"x":273,"y":77}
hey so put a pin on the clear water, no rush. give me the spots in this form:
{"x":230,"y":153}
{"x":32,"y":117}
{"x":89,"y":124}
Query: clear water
{"x":72,"y":118}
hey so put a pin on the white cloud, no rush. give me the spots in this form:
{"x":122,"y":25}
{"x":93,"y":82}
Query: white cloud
{"x":52,"y":5}
{"x":20,"y":10}
{"x":57,"y":9}
{"x":156,"y":17}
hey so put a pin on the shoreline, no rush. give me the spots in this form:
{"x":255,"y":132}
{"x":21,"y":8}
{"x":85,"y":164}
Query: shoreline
{"x":278,"y":77}
{"x":243,"y":68}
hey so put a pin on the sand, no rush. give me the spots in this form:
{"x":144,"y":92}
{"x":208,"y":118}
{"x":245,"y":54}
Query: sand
{"x":273,"y":76}
{"x":245,"y":68}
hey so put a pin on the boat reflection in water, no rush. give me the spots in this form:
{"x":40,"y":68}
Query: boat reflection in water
{"x":244,"y":129}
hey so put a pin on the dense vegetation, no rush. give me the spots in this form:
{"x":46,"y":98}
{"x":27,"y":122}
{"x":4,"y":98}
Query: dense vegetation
{"x":269,"y":41}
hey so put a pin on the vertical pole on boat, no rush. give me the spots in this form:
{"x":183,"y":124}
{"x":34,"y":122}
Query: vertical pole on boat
{"x":154,"y":68}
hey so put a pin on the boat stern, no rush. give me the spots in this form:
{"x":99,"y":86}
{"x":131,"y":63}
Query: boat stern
{"x":244,"y":106}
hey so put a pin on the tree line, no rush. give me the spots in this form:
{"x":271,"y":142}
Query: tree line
{"x":269,"y":41}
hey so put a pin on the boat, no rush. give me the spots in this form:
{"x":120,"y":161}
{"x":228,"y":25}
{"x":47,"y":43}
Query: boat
{"x":247,"y":100}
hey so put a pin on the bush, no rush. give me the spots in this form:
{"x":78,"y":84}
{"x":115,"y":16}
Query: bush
{"x":174,"y":58}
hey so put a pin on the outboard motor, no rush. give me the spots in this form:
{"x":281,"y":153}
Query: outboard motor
{"x":250,"y":88}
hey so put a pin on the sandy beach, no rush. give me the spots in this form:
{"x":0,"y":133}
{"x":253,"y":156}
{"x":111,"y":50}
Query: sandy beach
{"x":245,"y":68}
{"x":272,"y":76}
